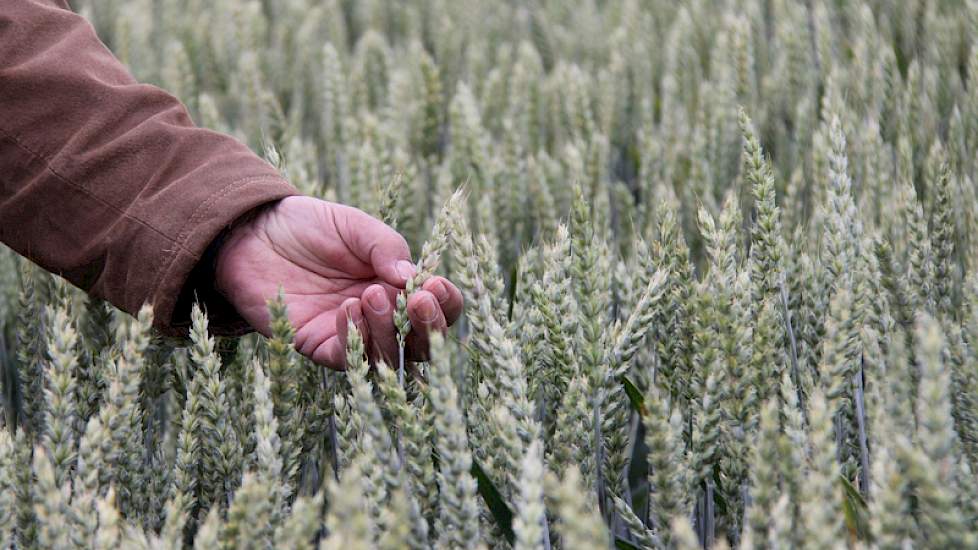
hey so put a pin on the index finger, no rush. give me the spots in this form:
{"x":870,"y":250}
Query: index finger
{"x":449,"y":297}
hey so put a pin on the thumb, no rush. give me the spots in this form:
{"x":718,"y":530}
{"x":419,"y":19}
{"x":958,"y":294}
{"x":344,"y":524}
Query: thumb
{"x":390,"y":265}
{"x":384,"y":249}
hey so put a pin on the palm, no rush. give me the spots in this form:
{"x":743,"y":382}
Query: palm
{"x":324,"y":257}
{"x":315,"y":267}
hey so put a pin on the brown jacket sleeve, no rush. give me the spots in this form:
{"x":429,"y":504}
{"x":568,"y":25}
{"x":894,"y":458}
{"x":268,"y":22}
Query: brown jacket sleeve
{"x":104,"y":180}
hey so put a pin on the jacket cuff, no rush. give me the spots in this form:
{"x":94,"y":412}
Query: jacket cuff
{"x":188,"y":275}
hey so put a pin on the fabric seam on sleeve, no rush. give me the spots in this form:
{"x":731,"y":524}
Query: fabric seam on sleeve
{"x":167,"y":256}
{"x":87,"y":192}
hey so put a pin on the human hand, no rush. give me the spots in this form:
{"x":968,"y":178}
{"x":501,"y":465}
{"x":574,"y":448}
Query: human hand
{"x":333,"y":262}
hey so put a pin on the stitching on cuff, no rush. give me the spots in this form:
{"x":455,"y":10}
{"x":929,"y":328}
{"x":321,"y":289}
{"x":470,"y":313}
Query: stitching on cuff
{"x":166,"y":260}
{"x":205,"y":206}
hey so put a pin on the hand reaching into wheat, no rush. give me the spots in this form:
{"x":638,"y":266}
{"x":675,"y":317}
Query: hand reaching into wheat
{"x":333,"y":262}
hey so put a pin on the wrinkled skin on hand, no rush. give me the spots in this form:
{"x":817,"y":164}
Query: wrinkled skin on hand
{"x":333,"y":262}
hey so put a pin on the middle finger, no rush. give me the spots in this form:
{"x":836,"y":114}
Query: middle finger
{"x":426,"y":316}
{"x":379,"y":313}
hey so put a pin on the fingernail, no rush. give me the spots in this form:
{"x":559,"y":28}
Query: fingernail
{"x":377,"y":302}
{"x":427,"y":310}
{"x":438,"y":289}
{"x":354,"y":315}
{"x":405,"y":269}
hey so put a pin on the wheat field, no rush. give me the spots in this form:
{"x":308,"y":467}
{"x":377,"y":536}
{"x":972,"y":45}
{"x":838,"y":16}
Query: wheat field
{"x":719,"y":259}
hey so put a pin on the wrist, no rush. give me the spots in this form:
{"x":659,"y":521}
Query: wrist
{"x":225,"y":244}
{"x":204,"y":283}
